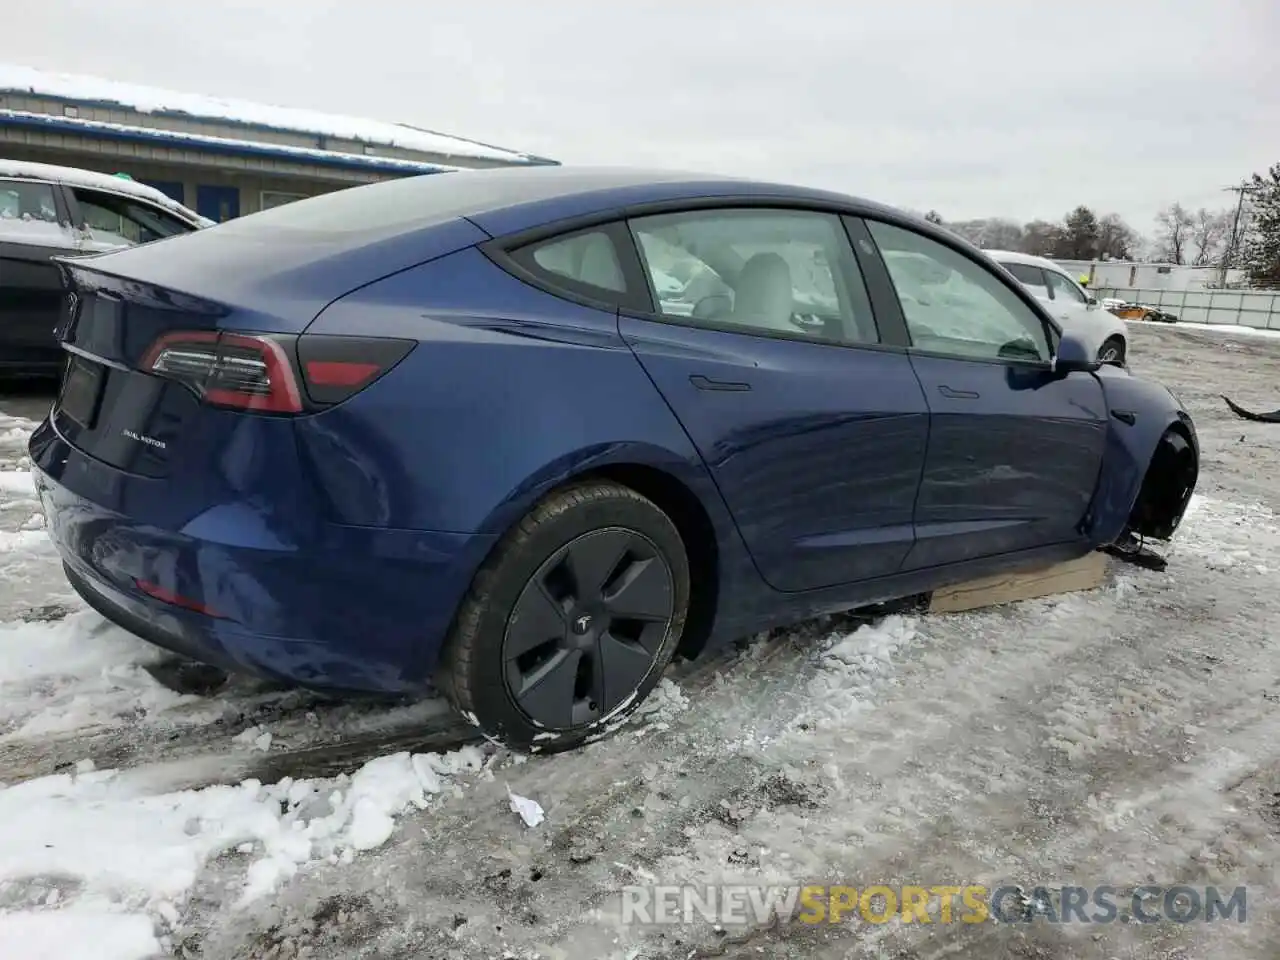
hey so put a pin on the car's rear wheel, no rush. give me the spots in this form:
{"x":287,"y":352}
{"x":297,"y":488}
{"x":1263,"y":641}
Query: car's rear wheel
{"x":570,"y":623}
{"x":1112,"y":351}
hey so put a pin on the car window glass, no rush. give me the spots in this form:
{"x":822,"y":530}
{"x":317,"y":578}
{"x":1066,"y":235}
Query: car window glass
{"x":952,"y":305}
{"x":29,"y":213}
{"x":587,"y":258}
{"x":782,"y":272}
{"x":112,"y":219}
{"x":1030,"y":277}
{"x":1064,"y":289}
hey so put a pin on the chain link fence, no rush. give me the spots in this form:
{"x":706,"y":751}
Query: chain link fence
{"x":1252,"y":308}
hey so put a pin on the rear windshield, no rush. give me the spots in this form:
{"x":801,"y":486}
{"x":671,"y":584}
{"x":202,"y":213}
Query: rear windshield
{"x":389,"y":207}
{"x":382,"y":206}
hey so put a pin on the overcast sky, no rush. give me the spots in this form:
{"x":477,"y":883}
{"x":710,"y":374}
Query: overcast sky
{"x":972,"y":107}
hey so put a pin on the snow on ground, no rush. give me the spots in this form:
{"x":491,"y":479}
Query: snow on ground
{"x":1235,"y":329}
{"x":1127,"y":735}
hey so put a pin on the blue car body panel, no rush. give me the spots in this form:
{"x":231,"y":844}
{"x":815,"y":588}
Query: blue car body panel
{"x":816,"y":450}
{"x":332,"y":548}
{"x":1014,"y":456}
{"x":1130,"y":446}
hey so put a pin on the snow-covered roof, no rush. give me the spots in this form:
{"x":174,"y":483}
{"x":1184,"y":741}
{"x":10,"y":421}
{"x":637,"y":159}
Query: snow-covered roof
{"x":92,"y":180}
{"x":219,"y":144}
{"x":66,"y":86}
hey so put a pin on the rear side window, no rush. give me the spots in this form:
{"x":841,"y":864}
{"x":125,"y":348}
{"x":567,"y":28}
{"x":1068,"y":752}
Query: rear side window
{"x":1030,"y":277}
{"x":590,"y":265}
{"x":587,"y":258}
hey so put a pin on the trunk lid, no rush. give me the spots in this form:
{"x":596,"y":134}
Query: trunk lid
{"x":281,"y":276}
{"x":268,"y":279}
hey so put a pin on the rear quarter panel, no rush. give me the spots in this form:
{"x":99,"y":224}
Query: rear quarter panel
{"x":1130,"y":447}
{"x":492,"y":409}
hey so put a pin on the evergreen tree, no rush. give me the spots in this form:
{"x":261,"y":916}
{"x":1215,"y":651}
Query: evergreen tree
{"x":1262,"y":249}
{"x":1079,"y":237}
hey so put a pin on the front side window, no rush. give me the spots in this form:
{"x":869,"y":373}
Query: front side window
{"x":953,"y":305}
{"x":111,"y":219}
{"x":762,"y":271}
{"x":1063,"y":289}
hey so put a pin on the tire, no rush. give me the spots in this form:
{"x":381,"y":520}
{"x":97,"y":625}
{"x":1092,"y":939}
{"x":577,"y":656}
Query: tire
{"x":1112,"y":351}
{"x":516,"y":687}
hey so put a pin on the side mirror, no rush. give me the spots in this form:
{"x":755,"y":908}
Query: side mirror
{"x":1091,"y":301}
{"x":1074,"y":354}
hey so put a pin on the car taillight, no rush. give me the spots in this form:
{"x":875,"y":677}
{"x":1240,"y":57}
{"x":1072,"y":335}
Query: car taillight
{"x":334,"y":368}
{"x":251,"y":372}
{"x":235,"y":370}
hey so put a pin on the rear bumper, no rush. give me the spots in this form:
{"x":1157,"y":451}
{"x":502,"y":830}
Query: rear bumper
{"x":329,"y":607}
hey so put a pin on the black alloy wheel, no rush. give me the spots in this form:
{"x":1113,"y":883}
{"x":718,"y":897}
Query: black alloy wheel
{"x":571,"y":621}
{"x":588,"y":627}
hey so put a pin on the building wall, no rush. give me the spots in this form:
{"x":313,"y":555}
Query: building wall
{"x":108,"y":113}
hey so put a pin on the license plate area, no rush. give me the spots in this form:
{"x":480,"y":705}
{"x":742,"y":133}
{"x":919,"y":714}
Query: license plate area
{"x":81,"y":391}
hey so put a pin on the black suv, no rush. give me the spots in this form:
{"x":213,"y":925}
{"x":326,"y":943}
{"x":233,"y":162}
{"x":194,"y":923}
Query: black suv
{"x":46,"y":212}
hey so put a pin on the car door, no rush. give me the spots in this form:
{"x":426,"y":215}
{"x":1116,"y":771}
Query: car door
{"x":807,"y":413}
{"x":1015,"y":448}
{"x":34,"y":228}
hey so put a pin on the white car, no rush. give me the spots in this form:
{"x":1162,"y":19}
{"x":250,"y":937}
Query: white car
{"x":1068,"y":302}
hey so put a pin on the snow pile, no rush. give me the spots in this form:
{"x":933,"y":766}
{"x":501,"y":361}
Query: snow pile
{"x":851,"y":666}
{"x":126,"y":854}
{"x":98,"y":932}
{"x":662,"y":705}
{"x":75,"y":674}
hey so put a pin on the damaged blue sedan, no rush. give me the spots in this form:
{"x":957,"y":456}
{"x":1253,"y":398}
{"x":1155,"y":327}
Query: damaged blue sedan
{"x":528,"y":434}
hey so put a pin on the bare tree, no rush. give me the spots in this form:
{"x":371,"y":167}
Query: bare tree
{"x":1041,"y":238}
{"x":989,"y":233}
{"x":1173,"y":233}
{"x":1208,"y":232}
{"x":1116,"y":239}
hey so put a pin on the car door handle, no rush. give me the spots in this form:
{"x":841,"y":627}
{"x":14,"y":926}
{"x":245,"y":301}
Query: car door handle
{"x":957,"y":394}
{"x":706,"y":383}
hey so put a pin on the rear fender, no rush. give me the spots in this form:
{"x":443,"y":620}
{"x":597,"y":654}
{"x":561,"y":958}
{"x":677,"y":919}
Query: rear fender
{"x":1151,"y":464}
{"x":494,"y":407}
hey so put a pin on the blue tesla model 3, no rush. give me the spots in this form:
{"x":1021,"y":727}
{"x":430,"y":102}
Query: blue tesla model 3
{"x":526,"y":435}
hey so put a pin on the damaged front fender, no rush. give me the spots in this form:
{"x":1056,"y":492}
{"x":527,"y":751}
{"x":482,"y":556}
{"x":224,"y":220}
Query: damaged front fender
{"x":1151,"y":464}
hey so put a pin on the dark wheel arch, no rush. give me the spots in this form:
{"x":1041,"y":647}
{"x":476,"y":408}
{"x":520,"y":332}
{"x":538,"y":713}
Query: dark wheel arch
{"x":1118,"y":342}
{"x":1167,"y":485}
{"x":686,"y":511}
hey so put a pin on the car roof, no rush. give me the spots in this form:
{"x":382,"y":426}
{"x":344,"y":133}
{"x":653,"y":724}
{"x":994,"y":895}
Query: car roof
{"x":92,"y":180}
{"x":1013,"y":256}
{"x":510,"y":200}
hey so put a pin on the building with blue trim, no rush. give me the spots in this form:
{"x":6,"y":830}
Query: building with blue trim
{"x":221,"y":158}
